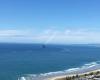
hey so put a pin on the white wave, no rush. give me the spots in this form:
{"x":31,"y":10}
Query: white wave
{"x":92,"y":63}
{"x":73,"y":69}
{"x":42,"y":76}
{"x":22,"y":78}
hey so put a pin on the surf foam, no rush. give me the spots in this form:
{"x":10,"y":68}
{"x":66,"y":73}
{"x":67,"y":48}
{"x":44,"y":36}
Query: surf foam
{"x":43,"y":76}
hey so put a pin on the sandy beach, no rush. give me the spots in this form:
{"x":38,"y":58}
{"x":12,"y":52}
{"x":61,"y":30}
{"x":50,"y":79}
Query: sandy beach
{"x":59,"y":77}
{"x":64,"y":76}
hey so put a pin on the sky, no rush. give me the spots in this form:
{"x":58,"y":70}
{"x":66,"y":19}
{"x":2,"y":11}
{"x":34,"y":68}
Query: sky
{"x":50,"y":21}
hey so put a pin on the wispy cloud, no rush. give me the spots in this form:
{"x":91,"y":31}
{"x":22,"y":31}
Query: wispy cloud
{"x":50,"y":36}
{"x":10,"y":33}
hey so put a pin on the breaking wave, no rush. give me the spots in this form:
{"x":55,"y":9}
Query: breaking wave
{"x":44,"y":76}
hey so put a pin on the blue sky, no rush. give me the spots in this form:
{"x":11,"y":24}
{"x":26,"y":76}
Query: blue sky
{"x":50,"y":21}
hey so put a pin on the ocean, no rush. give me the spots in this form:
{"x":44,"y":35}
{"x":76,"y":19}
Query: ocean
{"x":35,"y":62}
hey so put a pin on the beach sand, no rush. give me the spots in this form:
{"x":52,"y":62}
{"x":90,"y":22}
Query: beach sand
{"x":64,"y":76}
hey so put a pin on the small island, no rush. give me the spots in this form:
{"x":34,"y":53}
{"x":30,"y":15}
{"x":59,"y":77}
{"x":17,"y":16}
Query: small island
{"x":43,"y":46}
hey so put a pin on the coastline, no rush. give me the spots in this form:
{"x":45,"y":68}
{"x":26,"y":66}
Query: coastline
{"x":63,"y":77}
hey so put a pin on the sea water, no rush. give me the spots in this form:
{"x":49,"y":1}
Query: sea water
{"x":35,"y":62}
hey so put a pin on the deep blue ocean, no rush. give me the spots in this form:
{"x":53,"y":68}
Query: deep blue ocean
{"x":32,"y":61}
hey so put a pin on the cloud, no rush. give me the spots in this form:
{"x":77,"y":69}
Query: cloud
{"x":67,"y":36}
{"x":19,"y":36}
{"x":10,"y":33}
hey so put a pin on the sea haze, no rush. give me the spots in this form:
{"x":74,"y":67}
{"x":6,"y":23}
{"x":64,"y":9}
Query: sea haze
{"x":33,"y":61}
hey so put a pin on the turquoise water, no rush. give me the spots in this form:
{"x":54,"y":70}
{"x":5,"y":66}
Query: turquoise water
{"x":32,"y":61}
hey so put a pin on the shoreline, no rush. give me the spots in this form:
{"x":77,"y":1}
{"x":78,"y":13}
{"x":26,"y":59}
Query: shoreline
{"x":63,"y":77}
